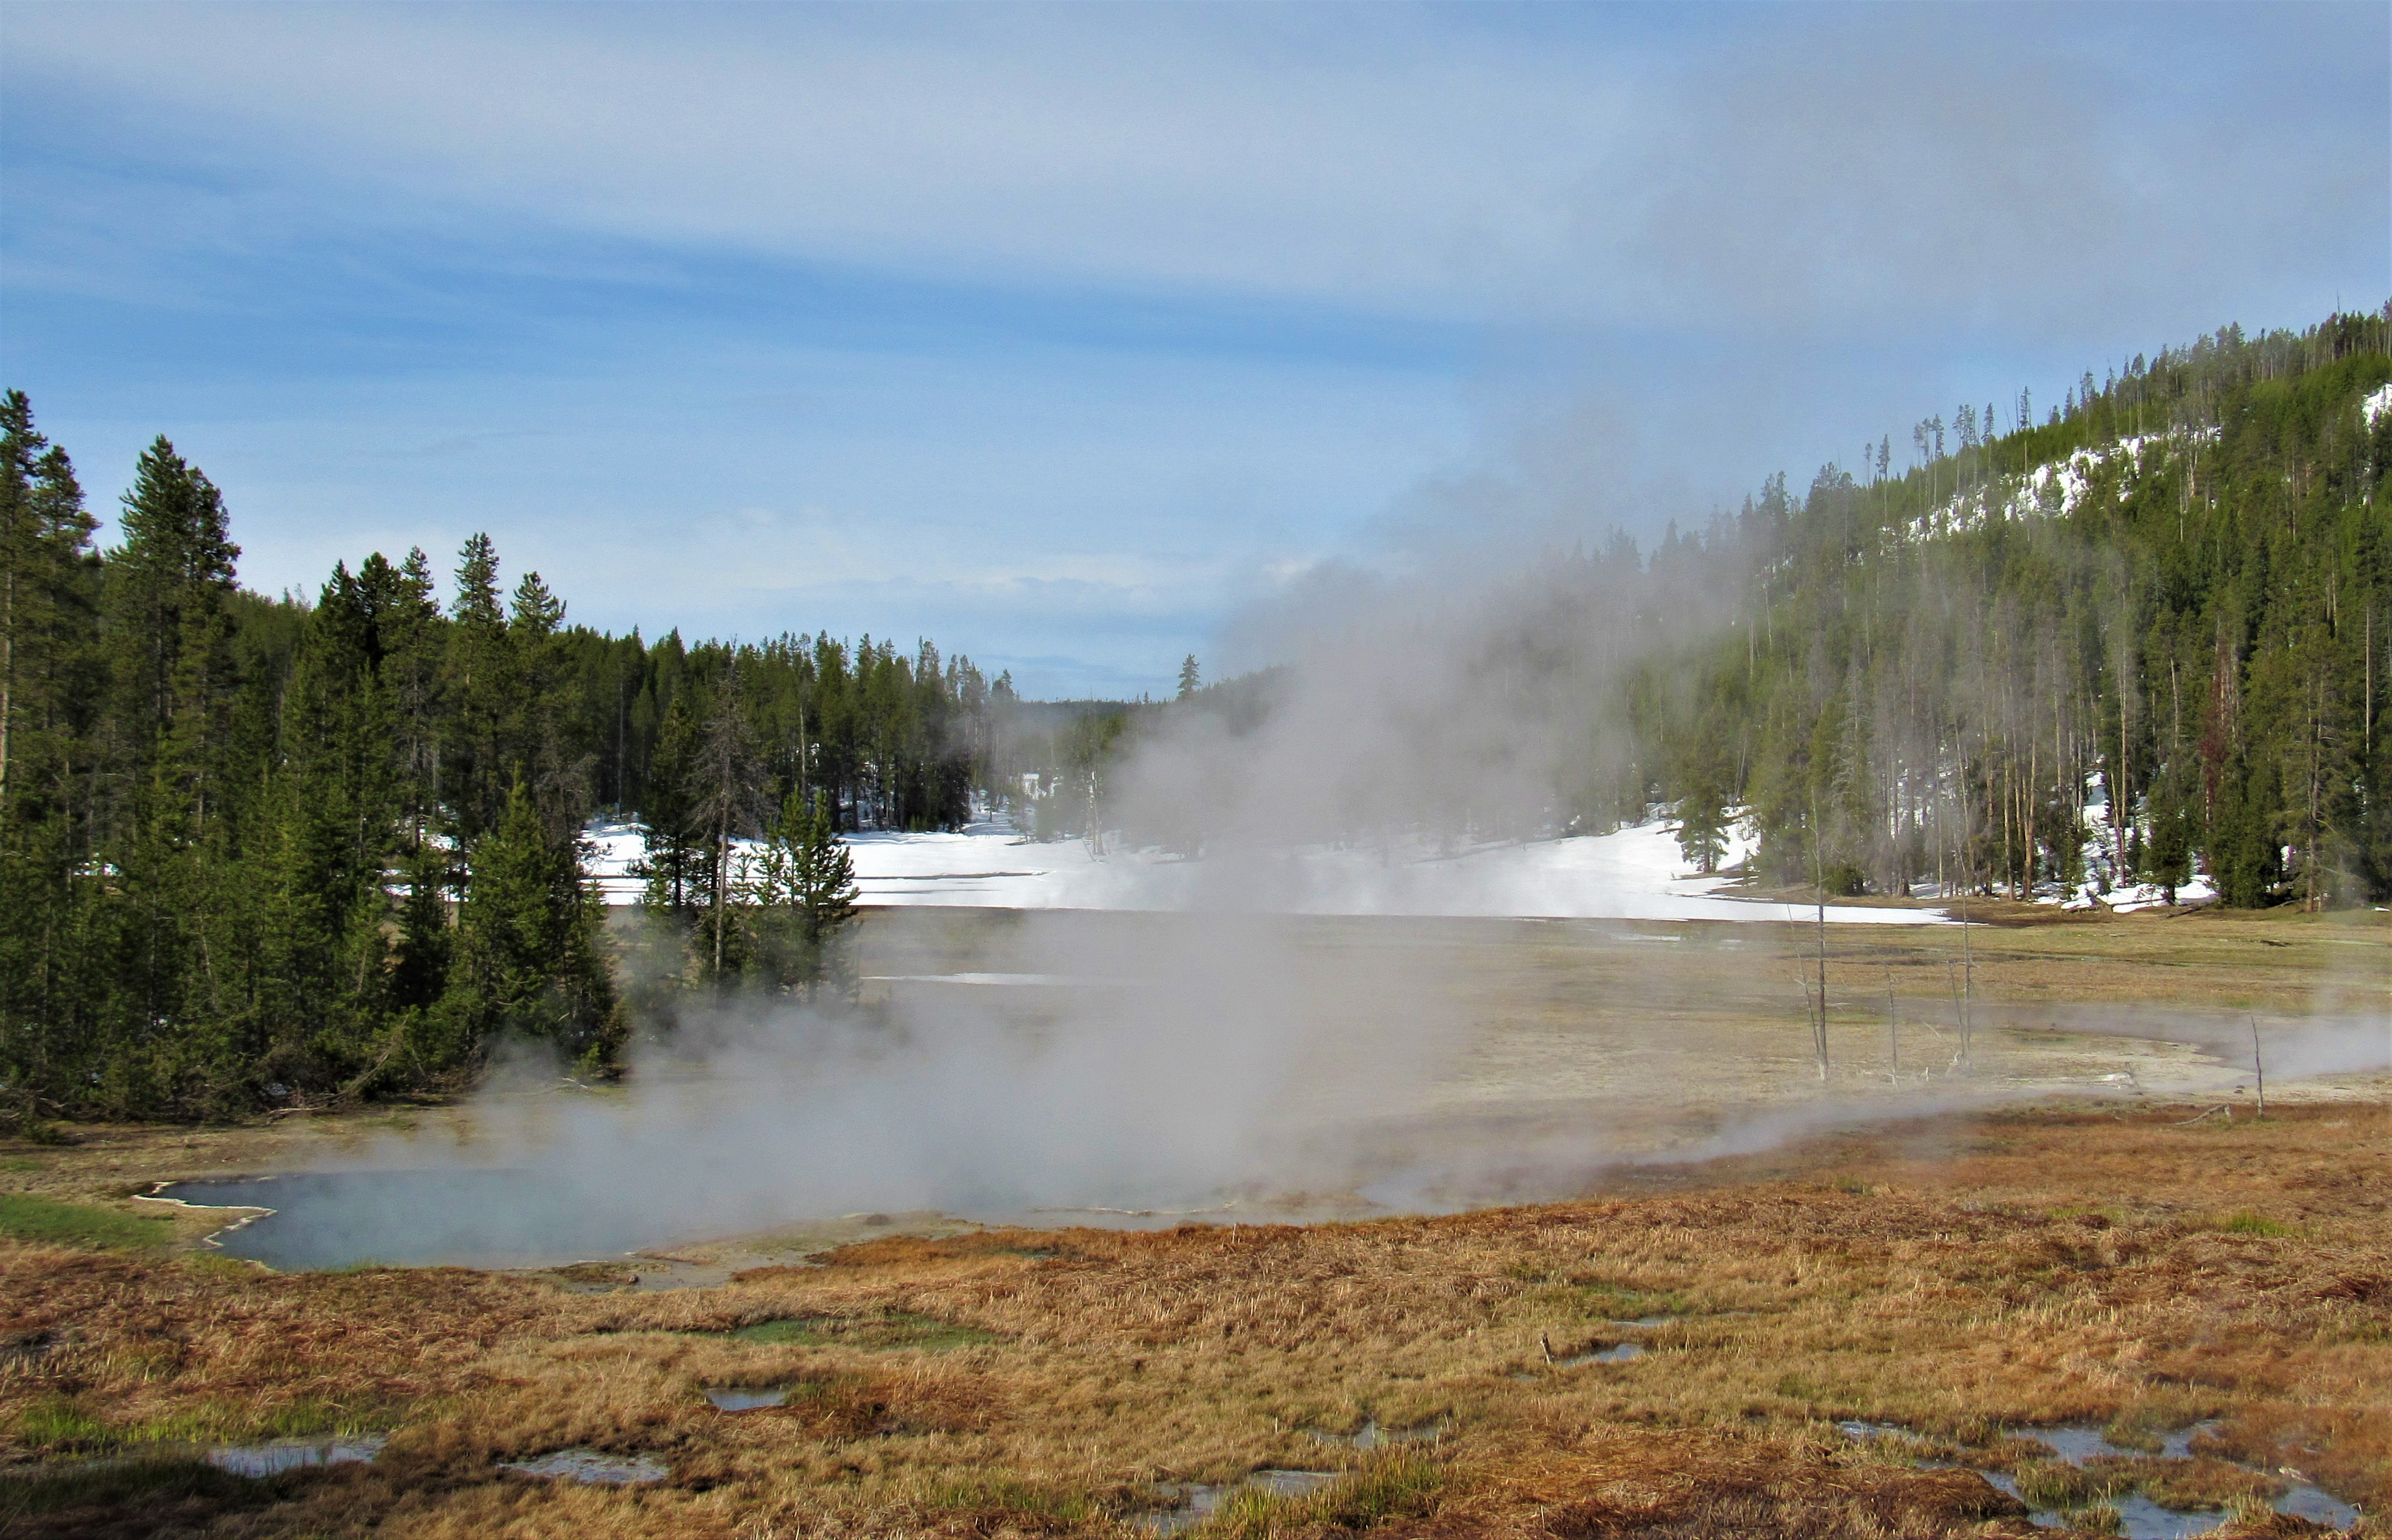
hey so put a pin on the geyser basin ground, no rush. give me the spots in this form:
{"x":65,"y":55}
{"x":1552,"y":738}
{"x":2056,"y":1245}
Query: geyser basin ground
{"x":1963,"y":1277}
{"x":1413,"y":1064}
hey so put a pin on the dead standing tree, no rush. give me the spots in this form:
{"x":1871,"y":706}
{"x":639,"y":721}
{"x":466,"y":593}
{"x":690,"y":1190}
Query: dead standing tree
{"x":1819,"y":880}
{"x":2258,"y":1067}
{"x":727,"y":796}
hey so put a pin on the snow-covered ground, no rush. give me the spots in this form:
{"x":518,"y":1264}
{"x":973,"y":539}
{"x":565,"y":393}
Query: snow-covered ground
{"x":1636,"y":873}
{"x":2102,"y":887}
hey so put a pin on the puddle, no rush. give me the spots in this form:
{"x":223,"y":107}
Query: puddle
{"x":735,"y":1398}
{"x":1372,"y":1436}
{"x":1644,"y":1321}
{"x":277,"y":1455}
{"x":2318,"y":1505}
{"x":2138,"y":1517}
{"x":1198,"y":1500}
{"x":594,"y":1467}
{"x":2081,"y":1441}
{"x":1614,"y":1352}
{"x":1866,"y":1431}
{"x":1619,"y":1353}
{"x":1291,"y":1483}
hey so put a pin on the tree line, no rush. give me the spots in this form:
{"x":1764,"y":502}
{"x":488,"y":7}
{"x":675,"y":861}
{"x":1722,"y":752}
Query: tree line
{"x":255,"y":850}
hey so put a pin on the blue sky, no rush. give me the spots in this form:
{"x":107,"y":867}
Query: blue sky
{"x":1059,"y":336}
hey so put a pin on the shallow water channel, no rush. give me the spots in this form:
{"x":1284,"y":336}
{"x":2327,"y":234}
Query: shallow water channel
{"x":2139,"y":1518}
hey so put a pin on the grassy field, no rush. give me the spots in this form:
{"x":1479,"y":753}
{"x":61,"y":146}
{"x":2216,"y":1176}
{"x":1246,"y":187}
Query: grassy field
{"x":1958,"y":1276}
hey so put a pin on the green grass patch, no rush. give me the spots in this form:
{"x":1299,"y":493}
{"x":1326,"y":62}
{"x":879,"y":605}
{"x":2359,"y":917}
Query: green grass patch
{"x":2242,"y":1222}
{"x":62,"y":1424}
{"x":2248,"y":1223}
{"x":884,"y":1331}
{"x":49,"y":1222}
{"x":21,"y":1163}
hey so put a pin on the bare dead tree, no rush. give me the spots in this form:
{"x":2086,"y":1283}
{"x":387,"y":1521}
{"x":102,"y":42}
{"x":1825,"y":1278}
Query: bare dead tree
{"x":2258,"y":1067}
{"x":728,"y":798}
{"x":1892,"y":1031}
{"x":1819,"y":879}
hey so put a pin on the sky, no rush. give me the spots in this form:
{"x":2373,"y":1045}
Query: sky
{"x":1064,"y":336}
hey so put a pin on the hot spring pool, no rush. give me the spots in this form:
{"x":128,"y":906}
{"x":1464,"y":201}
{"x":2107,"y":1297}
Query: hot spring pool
{"x":469,"y":1218}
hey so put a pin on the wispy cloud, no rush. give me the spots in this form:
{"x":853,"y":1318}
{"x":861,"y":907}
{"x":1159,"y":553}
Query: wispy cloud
{"x":1059,"y":291}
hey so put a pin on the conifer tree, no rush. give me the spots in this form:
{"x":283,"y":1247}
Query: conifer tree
{"x":48,"y":651}
{"x":479,"y":680}
{"x":673,"y":861}
{"x":169,"y":640}
{"x":1702,"y":808}
{"x":804,"y":896}
{"x":411,"y":630}
{"x":530,"y":956}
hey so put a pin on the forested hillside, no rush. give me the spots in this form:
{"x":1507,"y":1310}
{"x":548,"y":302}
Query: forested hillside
{"x":2173,"y":596}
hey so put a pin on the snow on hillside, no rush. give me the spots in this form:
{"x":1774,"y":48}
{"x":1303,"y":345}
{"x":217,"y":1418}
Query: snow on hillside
{"x":1635,"y":874}
{"x":2054,"y":489}
{"x":2377,"y":404}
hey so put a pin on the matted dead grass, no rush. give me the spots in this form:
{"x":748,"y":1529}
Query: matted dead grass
{"x":1955,"y":1277}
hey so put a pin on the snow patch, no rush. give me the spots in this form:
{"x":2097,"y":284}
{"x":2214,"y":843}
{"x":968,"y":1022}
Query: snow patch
{"x":2106,"y":884}
{"x":2376,"y":404}
{"x":1635,"y":874}
{"x":2054,"y":489}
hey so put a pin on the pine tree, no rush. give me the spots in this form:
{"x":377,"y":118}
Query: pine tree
{"x":480,"y":682}
{"x":412,"y":636}
{"x":1702,"y":808}
{"x":169,"y":640}
{"x":530,"y":957}
{"x":803,"y":895}
{"x":2167,"y":857}
{"x":48,"y":651}
{"x":674,"y":862}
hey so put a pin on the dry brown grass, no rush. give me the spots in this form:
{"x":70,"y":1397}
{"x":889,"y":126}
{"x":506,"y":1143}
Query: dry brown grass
{"x":1955,"y":1278}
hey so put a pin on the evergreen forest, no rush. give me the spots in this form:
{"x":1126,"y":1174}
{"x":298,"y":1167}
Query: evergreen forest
{"x":256,"y":849}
